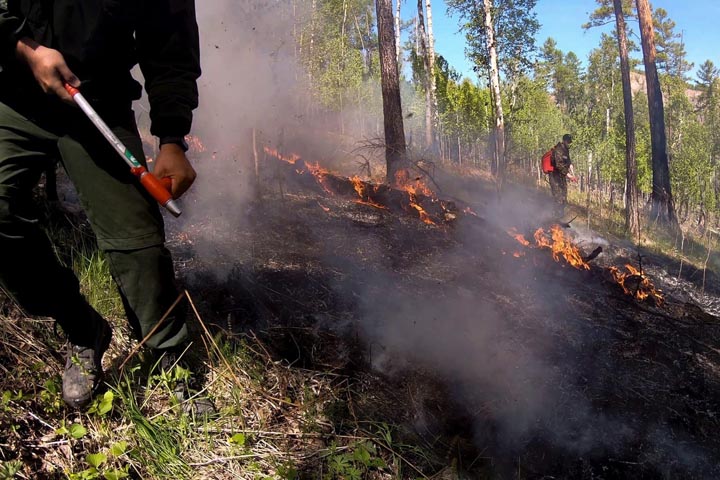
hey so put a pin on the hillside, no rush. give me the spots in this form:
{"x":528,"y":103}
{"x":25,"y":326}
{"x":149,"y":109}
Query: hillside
{"x":358,"y":341}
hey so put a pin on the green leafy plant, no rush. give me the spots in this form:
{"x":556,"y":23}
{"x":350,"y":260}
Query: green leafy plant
{"x":50,"y":395}
{"x":104,"y":465}
{"x":102,"y":405}
{"x":75,"y":430}
{"x":354,"y":463}
{"x":9,"y":469}
{"x":237,"y":439}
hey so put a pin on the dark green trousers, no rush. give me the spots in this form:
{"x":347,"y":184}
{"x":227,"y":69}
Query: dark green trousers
{"x":125,"y":219}
{"x":558,"y":188}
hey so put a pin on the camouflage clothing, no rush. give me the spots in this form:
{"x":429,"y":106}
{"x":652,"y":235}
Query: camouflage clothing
{"x":558,"y":177}
{"x":561,"y":158}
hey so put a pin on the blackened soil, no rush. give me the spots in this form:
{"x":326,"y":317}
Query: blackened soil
{"x":504,"y":367}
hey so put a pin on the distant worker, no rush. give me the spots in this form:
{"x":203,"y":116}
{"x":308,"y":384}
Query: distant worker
{"x":562,"y":170}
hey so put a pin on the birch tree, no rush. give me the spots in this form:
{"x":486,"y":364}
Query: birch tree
{"x":427,"y":77}
{"x":501,"y":36}
{"x":431,"y":59}
{"x":494,"y":75}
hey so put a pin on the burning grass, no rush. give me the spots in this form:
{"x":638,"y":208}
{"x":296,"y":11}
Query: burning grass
{"x":633,"y":282}
{"x":410,"y":195}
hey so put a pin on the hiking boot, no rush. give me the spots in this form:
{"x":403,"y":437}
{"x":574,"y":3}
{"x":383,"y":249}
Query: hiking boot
{"x":83,"y":368}
{"x":185,"y":389}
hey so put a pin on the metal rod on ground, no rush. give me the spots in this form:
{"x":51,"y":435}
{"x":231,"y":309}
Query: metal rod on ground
{"x":159,"y":189}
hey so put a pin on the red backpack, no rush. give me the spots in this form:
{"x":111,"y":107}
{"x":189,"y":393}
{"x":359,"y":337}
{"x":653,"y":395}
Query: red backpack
{"x":546,"y":164}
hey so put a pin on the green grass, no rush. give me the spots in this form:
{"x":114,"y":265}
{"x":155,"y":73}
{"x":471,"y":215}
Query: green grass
{"x":96,"y":283}
{"x":272,"y":421}
{"x":696,"y":248}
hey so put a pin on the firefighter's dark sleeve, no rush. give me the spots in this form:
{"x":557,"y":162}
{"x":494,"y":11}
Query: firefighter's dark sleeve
{"x":169,"y":55}
{"x":11,"y":29}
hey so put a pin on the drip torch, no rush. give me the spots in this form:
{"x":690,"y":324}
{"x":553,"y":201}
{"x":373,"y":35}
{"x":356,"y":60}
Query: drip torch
{"x":159,"y":189}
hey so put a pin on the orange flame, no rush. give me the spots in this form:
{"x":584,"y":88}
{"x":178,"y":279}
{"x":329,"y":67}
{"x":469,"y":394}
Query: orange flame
{"x":366,"y":191}
{"x":358,"y":185}
{"x":633,"y":282}
{"x":561,"y":246}
{"x":413,"y":188}
{"x":291,"y":159}
{"x":519,"y":237}
{"x":636,"y":284}
{"x":403,"y":182}
{"x":361,"y":188}
{"x":424,"y":216}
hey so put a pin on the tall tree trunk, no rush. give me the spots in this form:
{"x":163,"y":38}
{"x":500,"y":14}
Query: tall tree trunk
{"x":397,"y":31}
{"x":632,"y":221}
{"x":498,"y":166}
{"x":662,"y":200}
{"x":426,"y":62}
{"x":390,"y":80}
{"x":311,"y":53}
{"x":433,"y":80}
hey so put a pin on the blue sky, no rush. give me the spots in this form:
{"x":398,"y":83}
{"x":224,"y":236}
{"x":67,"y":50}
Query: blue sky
{"x":697,"y":20}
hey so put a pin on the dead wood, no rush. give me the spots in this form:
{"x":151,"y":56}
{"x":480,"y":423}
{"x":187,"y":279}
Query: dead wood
{"x":593,"y":255}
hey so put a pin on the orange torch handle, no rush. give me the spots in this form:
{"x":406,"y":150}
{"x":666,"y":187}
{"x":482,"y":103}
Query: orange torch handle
{"x":159,"y":189}
{"x":167,"y":183}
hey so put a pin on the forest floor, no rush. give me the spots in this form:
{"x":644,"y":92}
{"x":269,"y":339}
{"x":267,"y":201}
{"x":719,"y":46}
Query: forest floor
{"x":343,"y":340}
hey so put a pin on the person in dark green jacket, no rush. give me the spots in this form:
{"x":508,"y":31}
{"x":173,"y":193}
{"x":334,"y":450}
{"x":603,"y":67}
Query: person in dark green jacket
{"x":93,"y":45}
{"x":562,"y":167}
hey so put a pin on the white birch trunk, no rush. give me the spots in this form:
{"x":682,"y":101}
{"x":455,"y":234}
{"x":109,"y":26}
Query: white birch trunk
{"x":499,"y":151}
{"x":431,"y":54}
{"x":397,"y":31}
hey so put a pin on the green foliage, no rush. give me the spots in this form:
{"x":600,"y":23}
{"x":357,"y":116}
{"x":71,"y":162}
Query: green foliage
{"x":50,"y":395}
{"x":9,"y":396}
{"x":288,"y":472}
{"x":515,"y":26}
{"x":353,"y":463}
{"x":338,"y":49}
{"x":605,"y":13}
{"x":671,"y":55}
{"x":537,"y":124}
{"x":102,"y":405}
{"x":691,"y":168}
{"x":9,"y":469}
{"x":237,"y":439}
{"x":159,"y":441}
{"x":75,"y":430}
{"x":101,"y":465}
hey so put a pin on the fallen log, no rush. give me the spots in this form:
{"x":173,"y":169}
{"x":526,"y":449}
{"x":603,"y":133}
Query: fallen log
{"x":409,"y":200}
{"x":593,"y":255}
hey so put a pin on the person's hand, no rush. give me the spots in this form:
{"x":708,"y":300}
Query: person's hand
{"x":571,"y":175}
{"x":172,"y":163}
{"x":48,"y":67}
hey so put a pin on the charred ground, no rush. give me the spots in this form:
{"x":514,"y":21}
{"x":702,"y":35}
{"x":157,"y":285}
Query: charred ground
{"x":500,"y":366}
